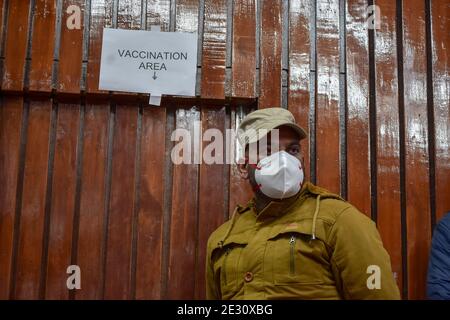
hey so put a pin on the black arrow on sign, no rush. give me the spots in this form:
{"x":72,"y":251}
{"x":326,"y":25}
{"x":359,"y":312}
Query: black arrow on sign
{"x":154,"y":75}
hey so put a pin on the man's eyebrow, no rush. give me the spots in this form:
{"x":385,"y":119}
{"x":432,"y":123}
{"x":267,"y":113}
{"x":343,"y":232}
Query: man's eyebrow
{"x":295,"y":143}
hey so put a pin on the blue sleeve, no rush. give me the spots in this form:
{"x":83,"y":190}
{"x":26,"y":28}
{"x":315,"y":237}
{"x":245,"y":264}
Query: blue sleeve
{"x":438,"y":284}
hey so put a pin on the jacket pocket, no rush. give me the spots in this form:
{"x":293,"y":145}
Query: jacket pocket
{"x":226,"y":265}
{"x":293,"y":258}
{"x":229,"y":268}
{"x":292,"y":255}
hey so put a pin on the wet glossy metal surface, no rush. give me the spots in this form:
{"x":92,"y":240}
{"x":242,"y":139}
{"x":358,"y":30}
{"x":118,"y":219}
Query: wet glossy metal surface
{"x":416,"y":146}
{"x":244,"y":48}
{"x":327,"y":104}
{"x":358,"y":135}
{"x":183,"y":228}
{"x":299,"y":70}
{"x":388,"y":137}
{"x":101,"y":16}
{"x":270,"y":54}
{"x":441,"y":98}
{"x":214,"y":49}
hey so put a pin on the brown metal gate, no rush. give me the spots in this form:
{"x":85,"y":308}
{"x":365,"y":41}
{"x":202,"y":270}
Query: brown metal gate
{"x":86,"y":176}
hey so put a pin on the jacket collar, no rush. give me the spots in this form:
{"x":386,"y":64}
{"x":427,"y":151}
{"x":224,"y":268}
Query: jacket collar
{"x":277,"y":208}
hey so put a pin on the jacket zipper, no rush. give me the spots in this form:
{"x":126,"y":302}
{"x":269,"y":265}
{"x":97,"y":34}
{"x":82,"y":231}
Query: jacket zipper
{"x":224,"y":264}
{"x":292,"y":260}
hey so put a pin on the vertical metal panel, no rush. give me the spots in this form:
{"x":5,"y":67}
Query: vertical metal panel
{"x":184,"y":220}
{"x":11,"y":114}
{"x":32,"y":216}
{"x":214,"y":49}
{"x":100,"y":17}
{"x":440,"y":18}
{"x":70,"y":49}
{"x":157,"y":13}
{"x":3,"y":16}
{"x":211,"y":178}
{"x":357,"y":69}
{"x":270,"y":51}
{"x":121,"y":205}
{"x":16,"y":41}
{"x":416,"y":146}
{"x":244,"y":48}
{"x":184,"y":210}
{"x":92,"y":201}
{"x":211,"y":191}
{"x":327,"y":93}
{"x":388,"y":139}
{"x":62,"y":202}
{"x":299,"y":70}
{"x":44,"y":26}
{"x":240,"y":191}
{"x":149,"y":229}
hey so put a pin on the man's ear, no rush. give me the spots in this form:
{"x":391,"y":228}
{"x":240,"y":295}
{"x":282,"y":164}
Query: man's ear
{"x":243,"y":170}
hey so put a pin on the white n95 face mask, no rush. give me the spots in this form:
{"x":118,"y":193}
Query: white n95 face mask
{"x":279,"y":175}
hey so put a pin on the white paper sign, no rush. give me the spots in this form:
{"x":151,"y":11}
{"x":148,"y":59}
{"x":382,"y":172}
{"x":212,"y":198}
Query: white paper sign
{"x":148,"y":62}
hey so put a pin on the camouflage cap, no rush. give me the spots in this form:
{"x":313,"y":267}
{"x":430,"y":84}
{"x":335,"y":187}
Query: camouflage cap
{"x":258,"y":123}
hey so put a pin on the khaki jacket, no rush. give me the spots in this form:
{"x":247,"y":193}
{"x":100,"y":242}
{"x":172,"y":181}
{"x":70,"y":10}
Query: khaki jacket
{"x":314,"y":245}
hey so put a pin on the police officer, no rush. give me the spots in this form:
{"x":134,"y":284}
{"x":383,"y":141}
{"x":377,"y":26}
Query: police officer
{"x":293,"y":240}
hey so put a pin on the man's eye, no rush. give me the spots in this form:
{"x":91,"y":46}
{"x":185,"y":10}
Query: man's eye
{"x":294,"y":150}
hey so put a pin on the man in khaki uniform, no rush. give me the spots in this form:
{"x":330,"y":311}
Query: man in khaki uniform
{"x":293,"y":240}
